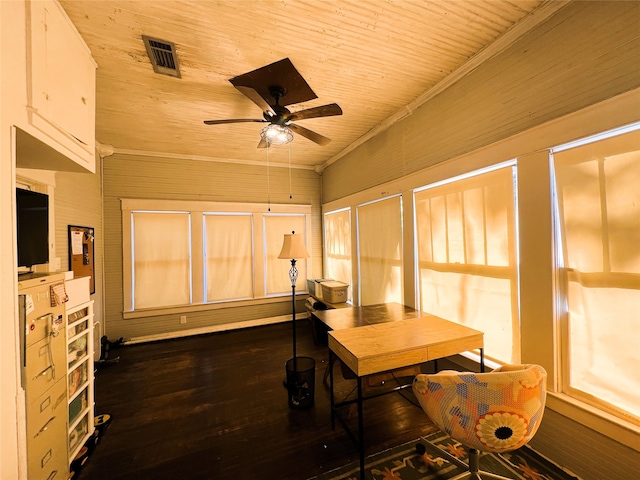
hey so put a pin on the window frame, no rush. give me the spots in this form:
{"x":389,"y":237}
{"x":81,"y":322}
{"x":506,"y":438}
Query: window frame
{"x":482,"y":270}
{"x":197,"y":211}
{"x":562,"y":272}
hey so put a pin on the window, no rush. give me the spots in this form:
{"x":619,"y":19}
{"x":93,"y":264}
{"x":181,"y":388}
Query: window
{"x":229,"y":255}
{"x":181,"y":253}
{"x":161,"y":259}
{"x":598,"y":230}
{"x":466,"y":253}
{"x":337,"y":246}
{"x":380,"y":251}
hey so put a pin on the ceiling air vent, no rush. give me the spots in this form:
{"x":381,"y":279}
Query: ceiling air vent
{"x":162,"y":55}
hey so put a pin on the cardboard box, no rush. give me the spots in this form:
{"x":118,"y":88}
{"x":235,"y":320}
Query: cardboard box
{"x":334,"y":292}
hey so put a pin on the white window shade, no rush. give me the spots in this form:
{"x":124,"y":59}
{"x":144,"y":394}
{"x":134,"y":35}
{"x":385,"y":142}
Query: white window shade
{"x":161,"y":259}
{"x":467,"y":257}
{"x":380,"y":251}
{"x":229,"y":256}
{"x":337,"y":245}
{"x":598,"y":190}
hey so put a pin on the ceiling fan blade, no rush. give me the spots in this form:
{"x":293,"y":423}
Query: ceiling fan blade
{"x":305,"y":132}
{"x":255,"y":97}
{"x":233,"y":120}
{"x":262,"y":143}
{"x":315,"y":112}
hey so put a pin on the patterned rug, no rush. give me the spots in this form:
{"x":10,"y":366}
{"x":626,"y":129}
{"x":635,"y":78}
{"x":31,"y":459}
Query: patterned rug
{"x":404,"y":463}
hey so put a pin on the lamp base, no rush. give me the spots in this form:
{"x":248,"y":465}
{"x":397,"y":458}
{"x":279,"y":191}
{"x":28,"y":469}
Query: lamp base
{"x":300,"y":382}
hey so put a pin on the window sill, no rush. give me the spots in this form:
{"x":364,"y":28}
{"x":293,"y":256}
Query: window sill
{"x":613,"y":427}
{"x":154,"y":312}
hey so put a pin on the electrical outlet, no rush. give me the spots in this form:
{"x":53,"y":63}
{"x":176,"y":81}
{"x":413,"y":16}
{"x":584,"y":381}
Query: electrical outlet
{"x":183,"y":319}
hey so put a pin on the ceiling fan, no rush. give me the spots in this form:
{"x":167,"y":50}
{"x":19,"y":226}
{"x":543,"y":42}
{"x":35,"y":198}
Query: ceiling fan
{"x":272,"y":88}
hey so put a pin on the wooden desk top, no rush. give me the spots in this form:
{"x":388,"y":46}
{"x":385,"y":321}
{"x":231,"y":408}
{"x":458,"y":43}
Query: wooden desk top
{"x":342,"y":318}
{"x":385,"y":346}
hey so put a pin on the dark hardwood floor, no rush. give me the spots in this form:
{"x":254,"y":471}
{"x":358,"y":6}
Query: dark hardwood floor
{"x":214,"y":407}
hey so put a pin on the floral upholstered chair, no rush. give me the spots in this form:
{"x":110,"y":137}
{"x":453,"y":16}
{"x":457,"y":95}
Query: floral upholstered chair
{"x":497,"y":411}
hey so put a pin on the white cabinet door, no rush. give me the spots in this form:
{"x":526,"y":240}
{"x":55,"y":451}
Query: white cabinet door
{"x":61,"y":80}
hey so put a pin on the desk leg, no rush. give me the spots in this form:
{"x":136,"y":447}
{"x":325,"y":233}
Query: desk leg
{"x":482,"y":360}
{"x":333,"y":418}
{"x":360,"y":428}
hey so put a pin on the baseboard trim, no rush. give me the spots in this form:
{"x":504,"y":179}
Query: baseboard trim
{"x":258,"y":322}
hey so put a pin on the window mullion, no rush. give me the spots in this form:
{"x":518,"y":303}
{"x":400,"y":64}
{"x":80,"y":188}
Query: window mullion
{"x":197,"y":258}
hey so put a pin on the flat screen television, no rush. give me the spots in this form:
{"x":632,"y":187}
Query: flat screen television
{"x":32,"y":218}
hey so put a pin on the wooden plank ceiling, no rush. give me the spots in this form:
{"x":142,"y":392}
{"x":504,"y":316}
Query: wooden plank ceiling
{"x":371,"y":57}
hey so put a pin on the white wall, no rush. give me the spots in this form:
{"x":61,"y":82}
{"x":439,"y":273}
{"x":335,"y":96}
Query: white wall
{"x":12,"y":101}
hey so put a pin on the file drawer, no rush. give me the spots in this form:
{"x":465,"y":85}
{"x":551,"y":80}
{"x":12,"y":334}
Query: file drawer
{"x":46,"y":363}
{"x":42,"y":412}
{"x":48,"y":461}
{"x":46,"y":425}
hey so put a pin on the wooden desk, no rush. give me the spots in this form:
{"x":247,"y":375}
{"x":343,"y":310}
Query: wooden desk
{"x":381,"y":346}
{"x":342,"y":318}
{"x":350,"y":317}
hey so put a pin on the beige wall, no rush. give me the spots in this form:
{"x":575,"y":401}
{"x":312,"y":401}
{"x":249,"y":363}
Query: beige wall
{"x":168,"y":178}
{"x":78,"y":201}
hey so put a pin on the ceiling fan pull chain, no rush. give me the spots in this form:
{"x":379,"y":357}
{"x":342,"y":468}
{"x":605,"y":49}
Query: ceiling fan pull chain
{"x":268,"y":182}
{"x":290,"y":194}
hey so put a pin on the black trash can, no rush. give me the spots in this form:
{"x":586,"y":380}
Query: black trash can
{"x":301,"y":381}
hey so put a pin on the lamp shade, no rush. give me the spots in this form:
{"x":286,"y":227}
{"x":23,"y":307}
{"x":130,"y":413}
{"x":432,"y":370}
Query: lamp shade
{"x":293,"y":247}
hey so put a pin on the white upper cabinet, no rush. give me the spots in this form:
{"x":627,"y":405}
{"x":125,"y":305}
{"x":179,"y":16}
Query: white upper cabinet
{"x":61,"y":82}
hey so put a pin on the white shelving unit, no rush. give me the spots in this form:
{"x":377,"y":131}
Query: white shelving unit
{"x":80,"y":375}
{"x":80,"y":365}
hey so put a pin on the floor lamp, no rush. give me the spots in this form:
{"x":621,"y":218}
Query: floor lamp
{"x":300,"y":370}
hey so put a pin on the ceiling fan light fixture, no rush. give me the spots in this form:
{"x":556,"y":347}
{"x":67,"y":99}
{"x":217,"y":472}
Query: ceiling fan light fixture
{"x":275,"y":134}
